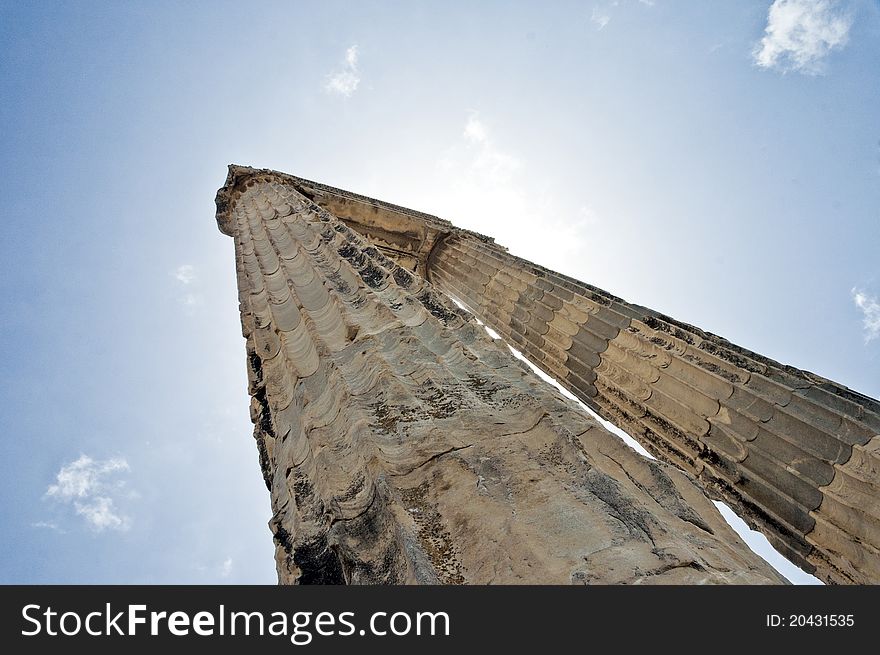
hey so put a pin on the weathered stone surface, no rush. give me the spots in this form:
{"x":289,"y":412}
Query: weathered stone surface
{"x":790,"y":451}
{"x":774,"y":442}
{"x":401,"y":444}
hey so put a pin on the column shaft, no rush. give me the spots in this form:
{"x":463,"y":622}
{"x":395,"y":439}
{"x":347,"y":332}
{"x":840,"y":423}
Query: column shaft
{"x":401,"y":445}
{"x":794,"y":454}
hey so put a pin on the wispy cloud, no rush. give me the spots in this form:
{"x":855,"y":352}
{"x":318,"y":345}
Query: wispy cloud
{"x":488,"y":162}
{"x":185,"y":274}
{"x":100,"y":512}
{"x":600,"y":17}
{"x":345,"y":80}
{"x":475,"y":131}
{"x":190,"y":301}
{"x":800,"y":34}
{"x":226,"y":568}
{"x":602,"y":11}
{"x":86,"y":485}
{"x":870,"y":307}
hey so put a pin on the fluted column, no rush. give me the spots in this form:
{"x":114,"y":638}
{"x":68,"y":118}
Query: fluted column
{"x":401,"y":444}
{"x":796,"y":455}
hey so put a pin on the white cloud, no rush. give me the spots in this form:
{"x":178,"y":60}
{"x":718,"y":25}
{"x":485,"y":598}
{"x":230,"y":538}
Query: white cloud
{"x":475,"y":131}
{"x":84,"y":476}
{"x":191,"y":300}
{"x":85,"y":484}
{"x":226,"y":568}
{"x":601,"y":14}
{"x":345,"y":80}
{"x":100,"y":512}
{"x":351,"y":56}
{"x":600,"y":18}
{"x":48,"y":525}
{"x":870,"y":307}
{"x":185,"y":274}
{"x":587,"y":217}
{"x":800,"y":34}
{"x":487,"y":162}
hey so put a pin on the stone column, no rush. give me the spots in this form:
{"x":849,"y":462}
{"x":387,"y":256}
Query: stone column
{"x":401,"y":444}
{"x":796,"y":455}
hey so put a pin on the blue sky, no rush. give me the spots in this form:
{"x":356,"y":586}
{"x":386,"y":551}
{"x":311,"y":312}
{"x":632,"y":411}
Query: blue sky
{"x":717,"y":161}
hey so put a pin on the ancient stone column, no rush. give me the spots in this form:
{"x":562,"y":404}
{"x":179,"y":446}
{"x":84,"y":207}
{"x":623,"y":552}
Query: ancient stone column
{"x":401,"y":444}
{"x":796,"y":455}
